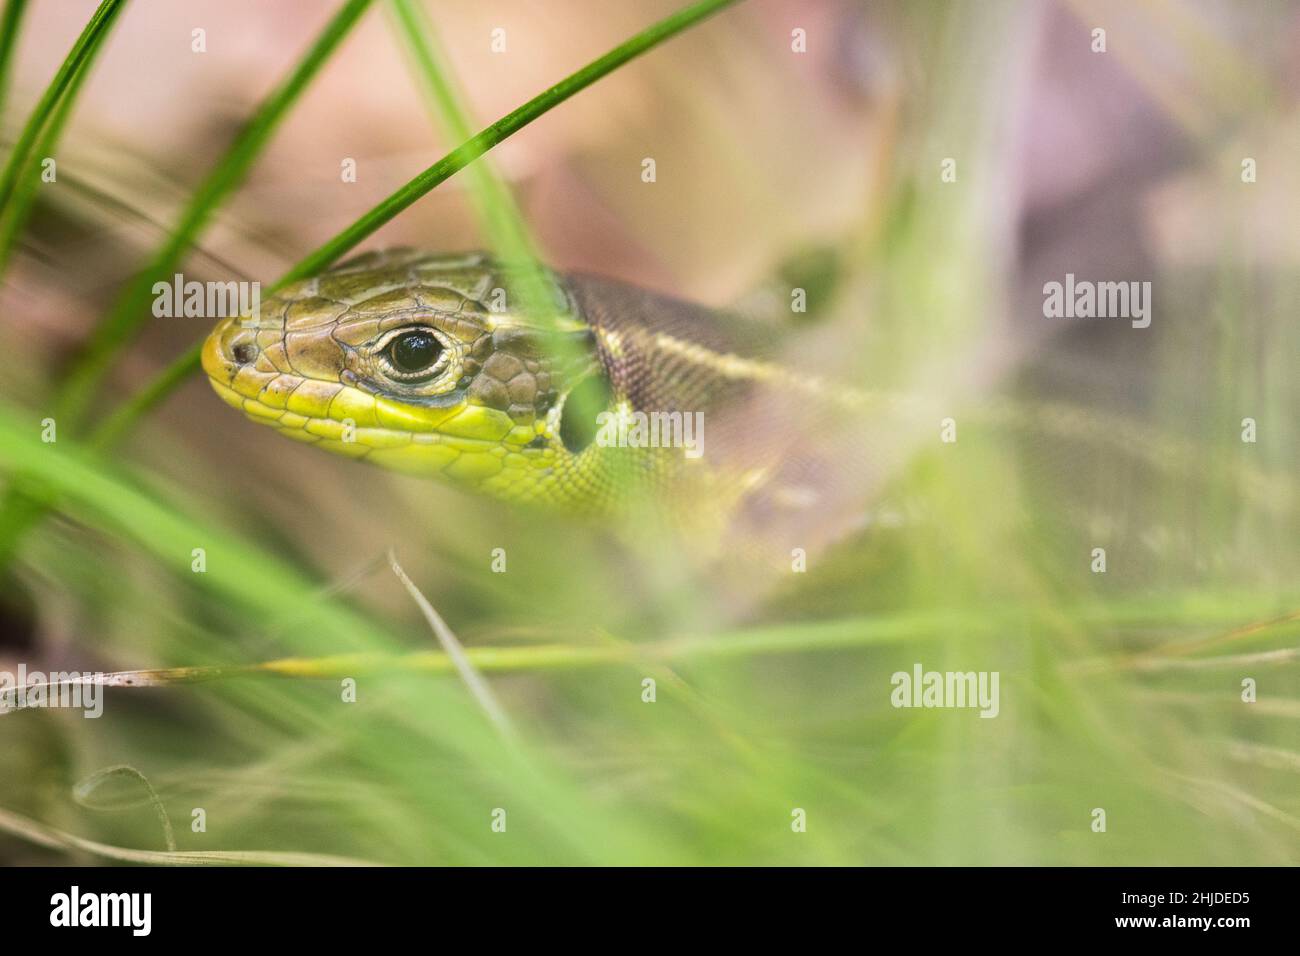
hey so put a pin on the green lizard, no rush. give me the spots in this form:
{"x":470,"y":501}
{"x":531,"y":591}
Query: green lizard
{"x":417,"y":363}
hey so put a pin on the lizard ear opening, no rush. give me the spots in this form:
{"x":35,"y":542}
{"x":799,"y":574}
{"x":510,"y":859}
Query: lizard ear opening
{"x":586,"y":400}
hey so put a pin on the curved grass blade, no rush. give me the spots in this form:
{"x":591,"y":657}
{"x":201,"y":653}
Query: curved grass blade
{"x":10,"y":22}
{"x":20,"y":201}
{"x":83,"y":793}
{"x":85,"y":47}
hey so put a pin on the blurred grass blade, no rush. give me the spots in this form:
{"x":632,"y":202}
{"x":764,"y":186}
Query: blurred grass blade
{"x":10,"y":21}
{"x":451,"y":646}
{"x":131,"y":309}
{"x":440,"y":171}
{"x":46,"y":122}
{"x":258,"y":586}
{"x":86,"y":46}
{"x":494,"y":205}
{"x":38,"y":833}
{"x":19,"y":204}
{"x":122,"y":418}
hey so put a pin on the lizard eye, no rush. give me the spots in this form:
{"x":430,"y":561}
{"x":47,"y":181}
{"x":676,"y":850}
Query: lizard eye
{"x":413,"y":356}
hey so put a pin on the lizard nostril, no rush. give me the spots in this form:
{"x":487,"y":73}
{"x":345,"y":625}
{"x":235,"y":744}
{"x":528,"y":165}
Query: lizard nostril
{"x":243,"y":353}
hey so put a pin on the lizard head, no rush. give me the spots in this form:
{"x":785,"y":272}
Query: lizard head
{"x":401,"y":360}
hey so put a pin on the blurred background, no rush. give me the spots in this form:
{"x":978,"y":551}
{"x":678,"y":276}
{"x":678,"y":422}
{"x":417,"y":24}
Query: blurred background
{"x":824,"y":169}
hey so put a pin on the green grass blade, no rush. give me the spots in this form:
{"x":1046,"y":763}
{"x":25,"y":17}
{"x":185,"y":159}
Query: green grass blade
{"x":139,"y":404}
{"x":500,"y":131}
{"x":131,"y":309}
{"x":10,"y":21}
{"x":496,"y":209}
{"x":91,"y":37}
{"x":20,"y":510}
{"x":16,"y":210}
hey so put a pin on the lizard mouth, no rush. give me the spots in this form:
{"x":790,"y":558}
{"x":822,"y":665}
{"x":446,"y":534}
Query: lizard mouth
{"x":460,"y":456}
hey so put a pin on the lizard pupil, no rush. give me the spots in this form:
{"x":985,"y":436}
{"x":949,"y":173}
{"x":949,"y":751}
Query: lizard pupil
{"x":414,"y":351}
